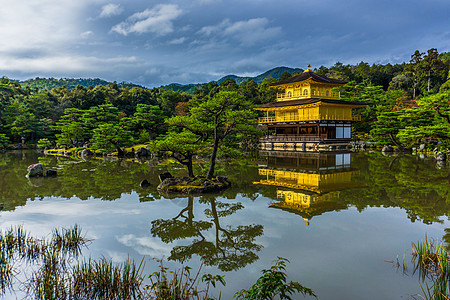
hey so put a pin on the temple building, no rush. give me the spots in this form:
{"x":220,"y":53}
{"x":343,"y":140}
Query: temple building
{"x":308,"y":183}
{"x":307,"y":115}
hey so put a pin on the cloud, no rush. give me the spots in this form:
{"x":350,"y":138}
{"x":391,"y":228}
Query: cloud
{"x":87,"y":34}
{"x":179,"y":41}
{"x":109,"y":10}
{"x":158,"y":20}
{"x":247,"y":32}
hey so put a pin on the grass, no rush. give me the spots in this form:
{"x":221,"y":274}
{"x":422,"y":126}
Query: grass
{"x":431,"y":260}
{"x":54,"y":272}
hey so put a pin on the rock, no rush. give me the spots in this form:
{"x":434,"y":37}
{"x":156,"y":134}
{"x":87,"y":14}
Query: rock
{"x":422,"y":147}
{"x":185,"y":185}
{"x":387,"y":149}
{"x":35,"y":170}
{"x":86,"y":153}
{"x":164,"y":176}
{"x":441,"y":156}
{"x":223,"y":179}
{"x":440,"y":164}
{"x":51,"y":173}
{"x":144,"y":184}
{"x":206,"y":183}
{"x":141,"y":152}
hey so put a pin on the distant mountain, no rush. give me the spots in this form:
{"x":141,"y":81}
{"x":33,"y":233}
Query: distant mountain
{"x":183,"y":88}
{"x":273,"y":73}
{"x":70,"y":83}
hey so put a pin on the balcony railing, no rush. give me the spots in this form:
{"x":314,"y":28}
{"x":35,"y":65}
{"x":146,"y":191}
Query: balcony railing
{"x":319,"y":117}
{"x":314,"y":94}
{"x":285,"y":138}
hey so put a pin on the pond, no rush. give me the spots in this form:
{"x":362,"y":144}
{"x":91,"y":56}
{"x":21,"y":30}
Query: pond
{"x":338,"y":218}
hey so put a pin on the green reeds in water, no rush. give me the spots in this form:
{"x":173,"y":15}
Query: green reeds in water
{"x":431,"y":260}
{"x":105,"y":280}
{"x":17,"y":247}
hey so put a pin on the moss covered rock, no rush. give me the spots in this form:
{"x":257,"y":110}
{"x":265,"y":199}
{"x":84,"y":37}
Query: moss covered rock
{"x":197,"y":185}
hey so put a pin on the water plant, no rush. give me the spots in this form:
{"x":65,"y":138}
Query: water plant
{"x":52,"y":271}
{"x":181,"y":284}
{"x":431,"y":260}
{"x":273,"y":283}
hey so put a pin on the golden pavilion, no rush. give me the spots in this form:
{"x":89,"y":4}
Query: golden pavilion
{"x":307,"y":115}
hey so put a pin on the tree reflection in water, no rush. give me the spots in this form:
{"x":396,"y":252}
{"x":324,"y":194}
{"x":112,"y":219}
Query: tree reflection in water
{"x":233,"y":247}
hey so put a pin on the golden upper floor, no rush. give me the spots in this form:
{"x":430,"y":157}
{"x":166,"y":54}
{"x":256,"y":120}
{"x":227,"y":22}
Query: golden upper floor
{"x":307,"y":85}
{"x":309,"y":110}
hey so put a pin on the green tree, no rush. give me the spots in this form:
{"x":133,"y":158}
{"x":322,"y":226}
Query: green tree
{"x":72,"y":127}
{"x":148,"y":117}
{"x":4,"y":140}
{"x":414,"y":69}
{"x":432,"y":69}
{"x":430,"y":119}
{"x":224,"y":114}
{"x":182,"y":146}
{"x":111,"y":136}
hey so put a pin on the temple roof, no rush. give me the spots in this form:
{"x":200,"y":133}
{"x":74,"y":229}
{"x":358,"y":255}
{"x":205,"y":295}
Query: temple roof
{"x":309,"y":101}
{"x":307,"y":75}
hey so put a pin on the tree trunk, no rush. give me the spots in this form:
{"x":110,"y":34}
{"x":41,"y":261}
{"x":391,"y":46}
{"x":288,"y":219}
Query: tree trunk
{"x":394,"y":140}
{"x":120,"y":152}
{"x":189,"y":166}
{"x":213,"y":156}
{"x":429,"y":80}
{"x":150,"y":135}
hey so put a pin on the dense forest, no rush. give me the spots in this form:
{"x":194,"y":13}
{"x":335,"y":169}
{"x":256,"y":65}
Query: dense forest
{"x":409,"y":102}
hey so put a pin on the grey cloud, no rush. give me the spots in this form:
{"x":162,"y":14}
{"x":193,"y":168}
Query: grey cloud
{"x":109,"y":10}
{"x":158,"y":20}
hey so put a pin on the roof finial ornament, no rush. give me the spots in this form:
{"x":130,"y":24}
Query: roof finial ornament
{"x":307,"y":68}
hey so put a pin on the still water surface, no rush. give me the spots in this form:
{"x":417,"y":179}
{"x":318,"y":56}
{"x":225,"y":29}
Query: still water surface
{"x":336,"y":217}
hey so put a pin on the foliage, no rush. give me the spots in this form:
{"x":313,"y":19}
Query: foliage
{"x":44,"y":143}
{"x":214,"y":118}
{"x":182,"y":146}
{"x":4,"y":140}
{"x":148,"y":117}
{"x":182,"y":285}
{"x":273,"y":283}
{"x":431,"y":260}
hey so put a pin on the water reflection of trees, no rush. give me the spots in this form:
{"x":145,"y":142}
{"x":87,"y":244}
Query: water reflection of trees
{"x":404,"y":181}
{"x":232,"y":247}
{"x":101,"y":179}
{"x":407,"y":182}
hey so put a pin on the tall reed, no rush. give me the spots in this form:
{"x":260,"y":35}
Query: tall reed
{"x":431,"y":259}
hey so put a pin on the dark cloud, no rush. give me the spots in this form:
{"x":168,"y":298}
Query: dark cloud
{"x":154,"y":43}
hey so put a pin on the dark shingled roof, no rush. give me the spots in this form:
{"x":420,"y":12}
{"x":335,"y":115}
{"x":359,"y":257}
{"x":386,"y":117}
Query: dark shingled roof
{"x":306,"y":75}
{"x":308,"y":101}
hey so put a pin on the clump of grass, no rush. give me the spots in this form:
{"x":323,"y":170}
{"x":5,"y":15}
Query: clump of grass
{"x":431,"y":260}
{"x":69,"y":240}
{"x":18,"y":247}
{"x":105,"y":280}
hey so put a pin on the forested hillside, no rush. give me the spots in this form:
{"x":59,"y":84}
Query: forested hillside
{"x":70,"y":83}
{"x":408,"y":102}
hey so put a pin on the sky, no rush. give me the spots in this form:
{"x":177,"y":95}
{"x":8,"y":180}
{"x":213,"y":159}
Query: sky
{"x":154,"y":43}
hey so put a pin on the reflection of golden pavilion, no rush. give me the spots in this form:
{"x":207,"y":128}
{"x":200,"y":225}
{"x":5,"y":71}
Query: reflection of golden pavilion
{"x":311,"y":181}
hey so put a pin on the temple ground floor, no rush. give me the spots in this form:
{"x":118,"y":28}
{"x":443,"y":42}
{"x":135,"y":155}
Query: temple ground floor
{"x":306,"y":136}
